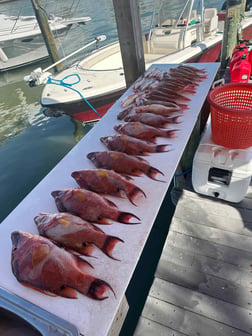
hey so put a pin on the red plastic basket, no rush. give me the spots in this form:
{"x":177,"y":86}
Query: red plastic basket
{"x":231,"y":115}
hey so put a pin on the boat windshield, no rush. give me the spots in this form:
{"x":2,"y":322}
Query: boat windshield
{"x":178,"y":13}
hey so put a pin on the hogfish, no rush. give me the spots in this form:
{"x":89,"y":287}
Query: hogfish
{"x":39,"y":263}
{"x":132,"y":146}
{"x":144,"y":132}
{"x":74,"y":233}
{"x":90,"y":206}
{"x":123,"y":163}
{"x":105,"y":181}
{"x":152,"y":119}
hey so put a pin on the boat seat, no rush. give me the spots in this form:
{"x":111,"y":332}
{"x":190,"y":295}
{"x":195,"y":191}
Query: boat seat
{"x":211,"y":20}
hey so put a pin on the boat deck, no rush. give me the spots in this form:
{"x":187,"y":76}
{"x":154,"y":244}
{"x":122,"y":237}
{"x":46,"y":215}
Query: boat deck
{"x":203,"y":281}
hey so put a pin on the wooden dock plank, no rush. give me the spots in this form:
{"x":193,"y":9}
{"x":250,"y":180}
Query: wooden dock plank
{"x":184,"y":321}
{"x":237,"y":241}
{"x":215,"y":212}
{"x":203,"y":281}
{"x":240,"y":258}
{"x":206,"y":265}
{"x":197,"y":211}
{"x":217,"y":310}
{"x":148,"y":327}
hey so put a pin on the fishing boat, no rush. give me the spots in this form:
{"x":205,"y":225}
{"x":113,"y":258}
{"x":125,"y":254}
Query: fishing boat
{"x":21,"y":42}
{"x":193,"y":36}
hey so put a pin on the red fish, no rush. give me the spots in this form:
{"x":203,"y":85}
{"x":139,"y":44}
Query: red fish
{"x":90,"y":206}
{"x":39,"y":263}
{"x":132,"y":146}
{"x":143,"y":132}
{"x":152,"y":119}
{"x":105,"y":181}
{"x":123,"y":163}
{"x":158,"y":109}
{"x":74,"y":233}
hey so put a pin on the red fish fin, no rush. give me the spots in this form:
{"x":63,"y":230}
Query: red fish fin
{"x":38,"y":289}
{"x":152,"y":172}
{"x":83,"y":265}
{"x":133,"y":193}
{"x":126,"y":217}
{"x":87,"y":249}
{"x":98,"y":288}
{"x":162,"y":148}
{"x":109,"y":245}
{"x":111,"y":203}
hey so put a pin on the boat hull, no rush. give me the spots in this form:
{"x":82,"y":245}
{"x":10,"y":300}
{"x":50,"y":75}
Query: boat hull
{"x":79,"y":105}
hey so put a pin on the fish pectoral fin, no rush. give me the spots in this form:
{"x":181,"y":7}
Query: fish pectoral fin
{"x":67,"y":292}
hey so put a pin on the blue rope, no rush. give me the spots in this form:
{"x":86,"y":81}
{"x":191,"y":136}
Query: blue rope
{"x":62,"y":82}
{"x":183,"y":173}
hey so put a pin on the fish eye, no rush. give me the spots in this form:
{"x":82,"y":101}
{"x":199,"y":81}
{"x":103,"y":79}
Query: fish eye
{"x":84,"y":244}
{"x":62,"y":287}
{"x":118,"y":190}
{"x":99,"y":218}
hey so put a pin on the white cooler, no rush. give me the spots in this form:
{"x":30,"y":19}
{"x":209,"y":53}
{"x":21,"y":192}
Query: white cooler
{"x":221,"y":172}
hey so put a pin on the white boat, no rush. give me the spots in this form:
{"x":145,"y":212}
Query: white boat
{"x":21,"y":41}
{"x":99,"y":78}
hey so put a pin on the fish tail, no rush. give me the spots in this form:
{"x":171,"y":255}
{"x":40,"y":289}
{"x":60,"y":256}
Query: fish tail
{"x":109,"y":245}
{"x":133,"y":192}
{"x":161,"y":148}
{"x":171,"y":133}
{"x":98,"y":288}
{"x":152,"y":172}
{"x":126,"y":217}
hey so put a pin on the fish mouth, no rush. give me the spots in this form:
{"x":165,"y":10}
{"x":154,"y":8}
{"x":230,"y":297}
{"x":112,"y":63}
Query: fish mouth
{"x":104,"y":140}
{"x":55,"y":193}
{"x":75,"y":174}
{"x":91,"y":156}
{"x":117,"y":127}
{"x":15,"y":236}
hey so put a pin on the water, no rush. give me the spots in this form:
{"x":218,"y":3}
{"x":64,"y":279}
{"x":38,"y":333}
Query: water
{"x":31,"y":144}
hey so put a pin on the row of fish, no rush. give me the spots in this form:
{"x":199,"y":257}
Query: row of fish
{"x":39,"y":260}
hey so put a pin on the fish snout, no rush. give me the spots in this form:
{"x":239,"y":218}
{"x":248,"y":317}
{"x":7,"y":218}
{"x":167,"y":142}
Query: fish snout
{"x":105,"y":140}
{"x":56,"y":193}
{"x":91,"y":156}
{"x":117,"y":128}
{"x":75,"y":174}
{"x":15,"y":236}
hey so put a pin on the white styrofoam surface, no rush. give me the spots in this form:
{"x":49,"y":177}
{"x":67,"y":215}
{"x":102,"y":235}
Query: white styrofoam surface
{"x":94,"y":318}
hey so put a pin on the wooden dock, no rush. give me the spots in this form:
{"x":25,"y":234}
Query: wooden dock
{"x":203,"y":281}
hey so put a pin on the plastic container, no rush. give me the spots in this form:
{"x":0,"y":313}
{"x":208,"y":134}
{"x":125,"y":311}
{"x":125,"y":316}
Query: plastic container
{"x":221,"y":172}
{"x":231,"y":115}
{"x":241,"y":70}
{"x":236,"y":56}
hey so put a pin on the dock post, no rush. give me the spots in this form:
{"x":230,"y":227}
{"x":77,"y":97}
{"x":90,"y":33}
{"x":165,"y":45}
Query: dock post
{"x":130,"y":38}
{"x":231,"y":28}
{"x":41,"y":16}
